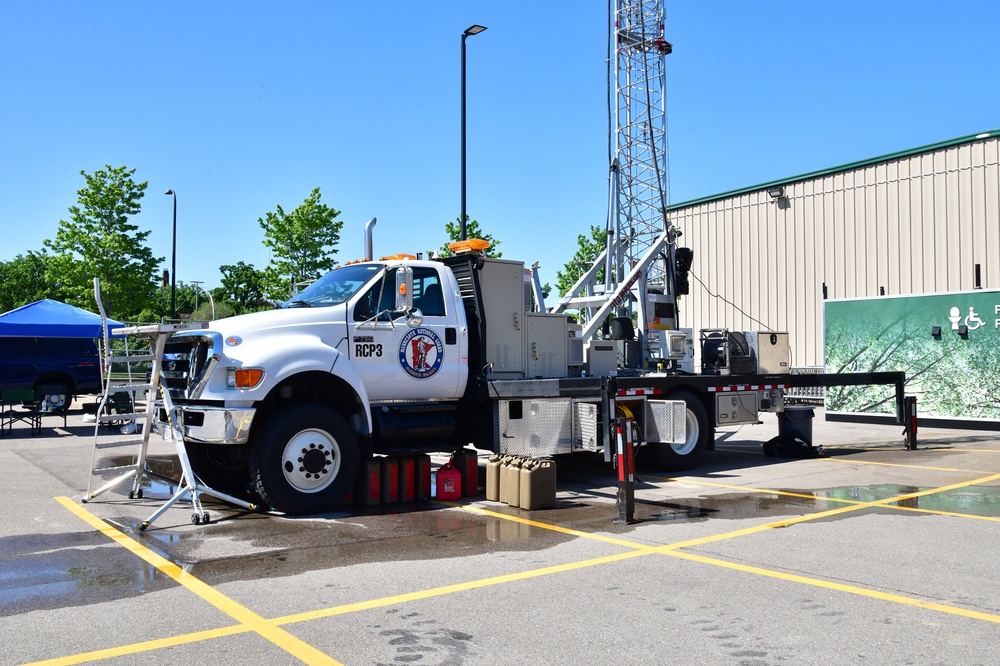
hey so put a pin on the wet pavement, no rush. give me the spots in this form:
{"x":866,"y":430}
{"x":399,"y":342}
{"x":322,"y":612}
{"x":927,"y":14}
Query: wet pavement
{"x":873,"y":553}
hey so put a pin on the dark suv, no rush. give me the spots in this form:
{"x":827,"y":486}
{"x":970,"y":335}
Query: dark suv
{"x":33,"y":363}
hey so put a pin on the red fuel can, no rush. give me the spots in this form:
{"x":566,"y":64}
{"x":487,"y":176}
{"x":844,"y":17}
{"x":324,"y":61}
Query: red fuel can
{"x":423,"y":476}
{"x":367,"y":489}
{"x":390,"y":480}
{"x":467,"y":462}
{"x":449,"y":482}
{"x":407,"y":479}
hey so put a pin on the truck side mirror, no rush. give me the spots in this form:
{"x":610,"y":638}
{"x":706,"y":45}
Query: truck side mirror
{"x":404,"y":288}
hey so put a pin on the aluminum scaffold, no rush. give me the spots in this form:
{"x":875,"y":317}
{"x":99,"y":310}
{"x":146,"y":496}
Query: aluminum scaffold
{"x":150,"y":368}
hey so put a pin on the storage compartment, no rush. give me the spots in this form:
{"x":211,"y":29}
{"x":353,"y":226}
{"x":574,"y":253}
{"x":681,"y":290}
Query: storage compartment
{"x":547,"y":343}
{"x":736,"y":408}
{"x":502,"y":284}
{"x":585,"y":431}
{"x":535,"y":428}
{"x":601,"y":358}
{"x":770,"y":351}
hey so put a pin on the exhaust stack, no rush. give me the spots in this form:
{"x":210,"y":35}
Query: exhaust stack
{"x":369,"y":252}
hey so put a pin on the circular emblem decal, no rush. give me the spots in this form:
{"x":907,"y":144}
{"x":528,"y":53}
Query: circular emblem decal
{"x":420,"y":353}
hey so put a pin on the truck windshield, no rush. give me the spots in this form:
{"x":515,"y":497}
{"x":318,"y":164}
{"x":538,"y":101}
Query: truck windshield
{"x":335,"y":287}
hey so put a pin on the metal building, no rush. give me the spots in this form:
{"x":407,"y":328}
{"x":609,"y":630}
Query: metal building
{"x":919,"y":221}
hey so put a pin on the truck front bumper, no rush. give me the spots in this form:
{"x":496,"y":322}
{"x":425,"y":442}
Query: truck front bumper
{"x":211,"y":425}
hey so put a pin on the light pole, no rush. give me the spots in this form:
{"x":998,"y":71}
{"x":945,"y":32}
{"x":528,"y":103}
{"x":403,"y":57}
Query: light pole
{"x":197,"y":284}
{"x":173,"y":263}
{"x":471,"y":30}
{"x":197,"y":288}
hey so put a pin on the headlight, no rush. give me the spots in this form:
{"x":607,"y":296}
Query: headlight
{"x":243,"y":378}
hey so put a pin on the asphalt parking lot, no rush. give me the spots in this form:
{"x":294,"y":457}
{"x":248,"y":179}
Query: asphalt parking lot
{"x":874,"y":554}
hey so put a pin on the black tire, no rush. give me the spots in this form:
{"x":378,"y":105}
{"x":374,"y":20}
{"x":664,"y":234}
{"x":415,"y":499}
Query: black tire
{"x":56,"y":400}
{"x":224,"y":467}
{"x":683,"y":456}
{"x":304,"y":459}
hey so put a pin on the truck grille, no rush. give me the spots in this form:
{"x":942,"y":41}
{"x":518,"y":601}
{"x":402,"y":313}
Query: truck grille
{"x":187,"y":362}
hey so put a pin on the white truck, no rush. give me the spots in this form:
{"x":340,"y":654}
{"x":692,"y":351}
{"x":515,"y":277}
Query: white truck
{"x":402,"y":355}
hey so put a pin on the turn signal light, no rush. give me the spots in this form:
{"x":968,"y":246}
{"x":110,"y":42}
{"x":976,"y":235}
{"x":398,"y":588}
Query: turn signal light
{"x":243,"y":377}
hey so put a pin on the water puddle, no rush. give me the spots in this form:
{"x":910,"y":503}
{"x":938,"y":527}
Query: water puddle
{"x":971,"y":500}
{"x":47,"y":571}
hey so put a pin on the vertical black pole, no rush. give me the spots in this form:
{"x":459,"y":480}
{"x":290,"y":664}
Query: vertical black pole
{"x":173,"y":262}
{"x":173,"y":267}
{"x":911,"y":422}
{"x":462,"y":214}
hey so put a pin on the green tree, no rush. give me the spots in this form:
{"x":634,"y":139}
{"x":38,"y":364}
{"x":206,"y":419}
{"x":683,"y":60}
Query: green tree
{"x":586,"y":253}
{"x":472,"y":230}
{"x":99,"y":241}
{"x":243,"y":286}
{"x":22,"y":280}
{"x":206,"y":312}
{"x":303,"y":243}
{"x":157,"y":308}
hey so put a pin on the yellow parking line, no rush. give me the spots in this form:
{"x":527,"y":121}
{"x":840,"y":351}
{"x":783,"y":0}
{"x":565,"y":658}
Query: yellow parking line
{"x":291,"y":644}
{"x":840,"y":587}
{"x":784,"y":493}
{"x":941,"y":489}
{"x":905,"y":466}
{"x":270,"y":629}
{"x":548,"y":526}
{"x":763,"y":528}
{"x":953,"y":514}
{"x":768,"y":491}
{"x":144,"y":646}
{"x":883,"y":503}
{"x":463,"y":587}
{"x":854,"y":505}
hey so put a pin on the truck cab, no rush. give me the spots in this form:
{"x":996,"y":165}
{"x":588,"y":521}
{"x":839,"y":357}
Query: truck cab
{"x":370,"y":358}
{"x":403,"y":353}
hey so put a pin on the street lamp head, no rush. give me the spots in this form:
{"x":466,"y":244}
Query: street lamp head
{"x":170,"y":192}
{"x":473,"y":30}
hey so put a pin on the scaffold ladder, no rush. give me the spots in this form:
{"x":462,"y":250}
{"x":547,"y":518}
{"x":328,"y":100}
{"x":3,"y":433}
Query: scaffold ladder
{"x":156,"y":336}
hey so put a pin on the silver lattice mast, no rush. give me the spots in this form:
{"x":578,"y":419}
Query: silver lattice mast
{"x":637,"y":229}
{"x":638,"y":98}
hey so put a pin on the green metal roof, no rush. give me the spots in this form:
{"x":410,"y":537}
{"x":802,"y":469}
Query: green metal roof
{"x":969,"y":138}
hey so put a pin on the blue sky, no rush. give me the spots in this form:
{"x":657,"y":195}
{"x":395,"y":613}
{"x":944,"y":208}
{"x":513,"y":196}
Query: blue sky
{"x":242,"y":106}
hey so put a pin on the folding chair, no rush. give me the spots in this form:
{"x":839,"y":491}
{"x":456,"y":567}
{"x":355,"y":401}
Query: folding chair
{"x":19,"y":406}
{"x":53,"y":400}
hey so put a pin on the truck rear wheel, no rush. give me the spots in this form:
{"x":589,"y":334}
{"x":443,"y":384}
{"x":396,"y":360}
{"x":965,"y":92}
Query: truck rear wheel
{"x":304,"y":460}
{"x":676,"y":457}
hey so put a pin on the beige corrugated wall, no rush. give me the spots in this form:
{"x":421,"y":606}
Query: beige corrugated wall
{"x":913,"y":225}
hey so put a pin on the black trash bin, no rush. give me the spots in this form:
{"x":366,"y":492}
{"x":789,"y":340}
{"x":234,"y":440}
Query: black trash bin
{"x":796,"y":420}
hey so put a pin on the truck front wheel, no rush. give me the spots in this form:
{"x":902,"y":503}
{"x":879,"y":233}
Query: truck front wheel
{"x":680,"y":456}
{"x":304,"y":460}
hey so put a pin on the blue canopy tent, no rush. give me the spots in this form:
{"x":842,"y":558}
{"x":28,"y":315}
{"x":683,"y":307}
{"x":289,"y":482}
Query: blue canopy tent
{"x":51,"y":319}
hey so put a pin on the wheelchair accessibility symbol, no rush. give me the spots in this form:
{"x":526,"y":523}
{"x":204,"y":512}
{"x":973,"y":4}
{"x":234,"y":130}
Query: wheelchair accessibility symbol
{"x":972,"y":320}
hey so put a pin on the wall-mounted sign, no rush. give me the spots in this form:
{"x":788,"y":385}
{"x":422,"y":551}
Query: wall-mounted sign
{"x":947,"y":344}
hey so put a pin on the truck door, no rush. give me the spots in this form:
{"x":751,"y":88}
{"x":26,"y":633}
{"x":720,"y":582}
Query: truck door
{"x":399,"y":362}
